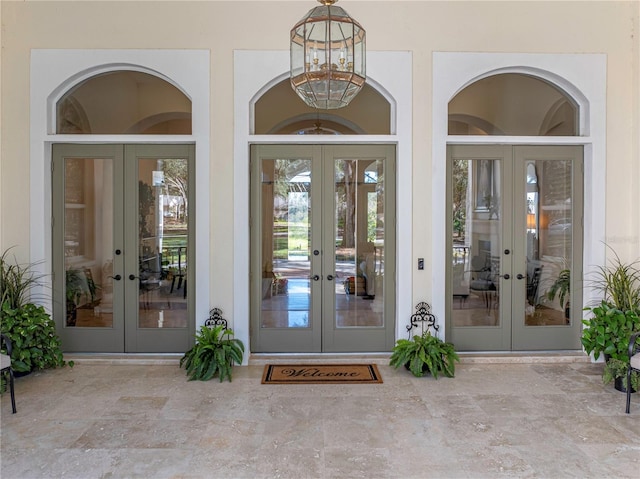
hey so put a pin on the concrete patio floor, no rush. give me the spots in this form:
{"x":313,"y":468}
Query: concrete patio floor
{"x":510,"y":419}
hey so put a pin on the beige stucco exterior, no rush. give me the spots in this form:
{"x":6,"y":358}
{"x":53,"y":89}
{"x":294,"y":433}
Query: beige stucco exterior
{"x":420,"y":27}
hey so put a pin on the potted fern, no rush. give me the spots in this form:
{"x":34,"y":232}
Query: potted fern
{"x":612,"y":322}
{"x":30,"y":328}
{"x":608,"y":331}
{"x":215,"y":353}
{"x":425,"y":354}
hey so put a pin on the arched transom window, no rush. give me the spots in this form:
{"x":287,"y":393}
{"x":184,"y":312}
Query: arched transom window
{"x":124,"y":102}
{"x":513,"y":104}
{"x":279,"y":111}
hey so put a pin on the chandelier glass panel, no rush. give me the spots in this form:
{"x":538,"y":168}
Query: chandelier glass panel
{"x":328,"y":64}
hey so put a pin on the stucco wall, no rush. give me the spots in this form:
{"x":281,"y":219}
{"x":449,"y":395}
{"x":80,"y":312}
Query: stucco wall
{"x":418,"y":26}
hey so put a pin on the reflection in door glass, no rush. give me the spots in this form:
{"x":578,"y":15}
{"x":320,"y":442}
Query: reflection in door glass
{"x":476,"y":223}
{"x":359,"y":242}
{"x":88,"y":242}
{"x":549,"y":239}
{"x":286,"y":229}
{"x":163,"y":232}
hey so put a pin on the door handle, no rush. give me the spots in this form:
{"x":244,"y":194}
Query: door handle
{"x":117,"y":277}
{"x":505,"y":276}
{"x":133,"y":276}
{"x":315,"y":277}
{"x":329,"y":277}
{"x":519,"y":276}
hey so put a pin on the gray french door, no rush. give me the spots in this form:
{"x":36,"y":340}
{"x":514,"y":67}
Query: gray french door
{"x":515,"y":247}
{"x":322,"y":248}
{"x":123,"y":247}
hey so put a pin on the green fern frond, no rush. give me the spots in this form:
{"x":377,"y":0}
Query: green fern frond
{"x":214,"y":354}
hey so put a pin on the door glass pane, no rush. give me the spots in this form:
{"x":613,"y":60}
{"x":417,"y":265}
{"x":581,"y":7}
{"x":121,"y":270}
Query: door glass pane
{"x":163,"y":232}
{"x":359,"y":243}
{"x":549,"y":239}
{"x":286,"y":230}
{"x":476,"y":213}
{"x":88,"y":242}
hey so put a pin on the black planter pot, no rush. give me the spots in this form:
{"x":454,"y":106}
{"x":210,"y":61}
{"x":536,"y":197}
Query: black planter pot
{"x":618,"y":383}
{"x":425,"y":368}
{"x":72,"y":314}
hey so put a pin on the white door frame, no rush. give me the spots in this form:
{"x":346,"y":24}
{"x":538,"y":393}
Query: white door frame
{"x":390,"y":73}
{"x":581,"y":76}
{"x":53,"y":72}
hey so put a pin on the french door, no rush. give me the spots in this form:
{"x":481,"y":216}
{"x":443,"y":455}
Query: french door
{"x":322,"y":248}
{"x":515,"y":247}
{"x":123,"y":247}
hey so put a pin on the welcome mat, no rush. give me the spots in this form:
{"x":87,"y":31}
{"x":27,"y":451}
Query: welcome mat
{"x":321,"y":374}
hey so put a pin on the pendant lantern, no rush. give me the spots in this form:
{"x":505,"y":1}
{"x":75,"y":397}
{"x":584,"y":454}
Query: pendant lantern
{"x":328,"y":65}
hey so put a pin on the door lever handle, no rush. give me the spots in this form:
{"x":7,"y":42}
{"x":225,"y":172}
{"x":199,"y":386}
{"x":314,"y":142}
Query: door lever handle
{"x":133,"y":276}
{"x":519,"y":276}
{"x":505,"y":276}
{"x":330,"y":277}
{"x":117,"y":277}
{"x":315,"y":277}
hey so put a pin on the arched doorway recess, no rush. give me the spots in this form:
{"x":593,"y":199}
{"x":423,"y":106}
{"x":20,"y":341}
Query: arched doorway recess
{"x":322,"y":256}
{"x":255,"y":82}
{"x":185,"y":70}
{"x":567,"y":73}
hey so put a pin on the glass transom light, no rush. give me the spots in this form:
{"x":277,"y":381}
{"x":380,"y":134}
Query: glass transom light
{"x":328,"y":66}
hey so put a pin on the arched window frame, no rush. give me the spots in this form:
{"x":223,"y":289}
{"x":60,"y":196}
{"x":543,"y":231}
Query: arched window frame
{"x":91,"y":74}
{"x":68,"y":84}
{"x":270,"y":83}
{"x":546,"y":77}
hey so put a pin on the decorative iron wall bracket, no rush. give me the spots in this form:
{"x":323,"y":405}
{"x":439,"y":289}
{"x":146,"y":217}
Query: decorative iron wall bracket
{"x":216,"y":319}
{"x":423,"y":317}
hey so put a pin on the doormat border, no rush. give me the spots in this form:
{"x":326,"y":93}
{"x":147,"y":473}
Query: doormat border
{"x":311,"y":374}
